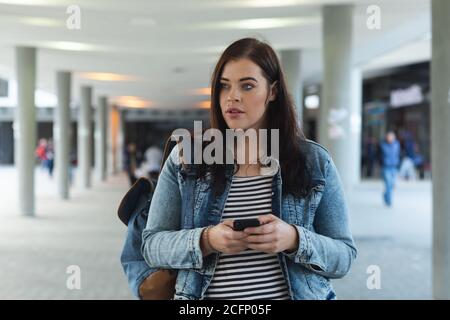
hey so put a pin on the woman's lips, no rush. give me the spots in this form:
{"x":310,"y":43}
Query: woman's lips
{"x":234,"y":115}
{"x":234,"y":110}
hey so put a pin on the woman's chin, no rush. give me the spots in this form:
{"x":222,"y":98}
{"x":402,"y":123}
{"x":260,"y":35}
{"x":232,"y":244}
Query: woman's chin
{"x":236,"y":125}
{"x":240,"y":124}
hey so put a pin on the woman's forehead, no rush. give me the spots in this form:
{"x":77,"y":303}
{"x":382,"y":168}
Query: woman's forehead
{"x":234,"y":70}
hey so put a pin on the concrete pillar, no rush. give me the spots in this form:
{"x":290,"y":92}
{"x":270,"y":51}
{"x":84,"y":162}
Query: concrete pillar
{"x":84,"y":137}
{"x":440,"y":135}
{"x":291,"y":61}
{"x":120,"y":140}
{"x":100,"y":139}
{"x":356,"y":125}
{"x":25,"y":128}
{"x":336,"y":110}
{"x":113,"y":125}
{"x":61,"y":133}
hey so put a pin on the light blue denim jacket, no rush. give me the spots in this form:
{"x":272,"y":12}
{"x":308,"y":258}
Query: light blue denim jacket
{"x":325,"y":250}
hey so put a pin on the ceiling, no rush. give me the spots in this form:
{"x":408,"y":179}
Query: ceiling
{"x":162,"y":52}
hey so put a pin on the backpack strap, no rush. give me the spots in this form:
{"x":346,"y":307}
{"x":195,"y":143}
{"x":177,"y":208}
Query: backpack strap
{"x":132,"y":199}
{"x":168,"y":146}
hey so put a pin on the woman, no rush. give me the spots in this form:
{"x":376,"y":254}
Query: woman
{"x":304,"y":237}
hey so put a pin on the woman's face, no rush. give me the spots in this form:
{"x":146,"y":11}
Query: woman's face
{"x":244,"y":95}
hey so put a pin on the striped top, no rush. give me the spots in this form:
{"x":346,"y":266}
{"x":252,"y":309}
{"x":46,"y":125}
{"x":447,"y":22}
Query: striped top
{"x":248,"y":275}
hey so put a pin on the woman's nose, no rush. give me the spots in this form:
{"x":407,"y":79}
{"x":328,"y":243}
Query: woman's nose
{"x":234,"y":96}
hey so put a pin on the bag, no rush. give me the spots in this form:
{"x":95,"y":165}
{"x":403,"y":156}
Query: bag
{"x":133,"y":209}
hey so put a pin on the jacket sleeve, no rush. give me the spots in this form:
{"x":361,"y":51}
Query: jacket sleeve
{"x":329,"y":250}
{"x":164,"y":244}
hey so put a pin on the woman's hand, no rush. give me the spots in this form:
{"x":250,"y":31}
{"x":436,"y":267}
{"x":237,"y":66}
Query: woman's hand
{"x":273,"y":236}
{"x":224,"y":239}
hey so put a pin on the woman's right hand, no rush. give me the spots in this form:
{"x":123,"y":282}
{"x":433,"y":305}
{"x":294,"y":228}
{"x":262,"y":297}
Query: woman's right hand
{"x":224,"y":239}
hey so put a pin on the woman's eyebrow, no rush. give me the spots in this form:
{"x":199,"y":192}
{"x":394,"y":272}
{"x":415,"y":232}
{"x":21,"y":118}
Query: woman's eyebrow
{"x":242,"y":79}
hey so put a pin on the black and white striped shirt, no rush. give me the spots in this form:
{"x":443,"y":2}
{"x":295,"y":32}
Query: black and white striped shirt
{"x":250,"y":274}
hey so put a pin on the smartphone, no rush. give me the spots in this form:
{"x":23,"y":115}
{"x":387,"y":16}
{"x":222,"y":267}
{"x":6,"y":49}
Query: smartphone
{"x":241,"y":224}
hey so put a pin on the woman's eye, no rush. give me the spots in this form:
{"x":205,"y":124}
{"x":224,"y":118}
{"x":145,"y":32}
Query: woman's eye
{"x":224,"y":85}
{"x":247,"y":87}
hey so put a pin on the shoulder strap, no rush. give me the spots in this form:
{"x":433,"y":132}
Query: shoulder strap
{"x":133,"y":199}
{"x":167,"y":149}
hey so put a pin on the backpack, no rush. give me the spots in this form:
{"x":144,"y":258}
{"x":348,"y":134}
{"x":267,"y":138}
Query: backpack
{"x":147,"y":283}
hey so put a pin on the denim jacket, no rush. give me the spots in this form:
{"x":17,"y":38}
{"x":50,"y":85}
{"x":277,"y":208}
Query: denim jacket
{"x":325,"y":249}
{"x":390,"y":153}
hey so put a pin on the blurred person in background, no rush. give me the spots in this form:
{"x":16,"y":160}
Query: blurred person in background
{"x":50,"y":154}
{"x":370,"y":156}
{"x":153,"y":157}
{"x":41,"y":152}
{"x":73,"y":163}
{"x":407,"y":168}
{"x":390,"y":159}
{"x":419,"y":162}
{"x":130,"y":162}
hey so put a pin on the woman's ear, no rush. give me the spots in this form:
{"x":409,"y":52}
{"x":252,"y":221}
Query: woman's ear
{"x":273,"y":91}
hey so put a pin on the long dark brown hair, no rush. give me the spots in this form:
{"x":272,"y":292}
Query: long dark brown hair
{"x":280,"y":114}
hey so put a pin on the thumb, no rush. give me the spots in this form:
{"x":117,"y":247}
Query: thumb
{"x":228,"y":222}
{"x":267,"y":218}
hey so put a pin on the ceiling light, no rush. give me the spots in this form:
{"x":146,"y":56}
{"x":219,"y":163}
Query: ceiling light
{"x":312,"y":101}
{"x":264,"y":23}
{"x":267,"y":3}
{"x":132,"y":102}
{"x":27,"y":2}
{"x":40,"y":22}
{"x":105,"y":76}
{"x":69,"y":46}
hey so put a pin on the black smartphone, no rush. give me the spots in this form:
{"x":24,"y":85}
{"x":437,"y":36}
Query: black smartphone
{"x":241,"y":224}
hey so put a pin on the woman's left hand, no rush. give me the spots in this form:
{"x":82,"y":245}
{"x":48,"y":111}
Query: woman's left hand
{"x":273,"y":236}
